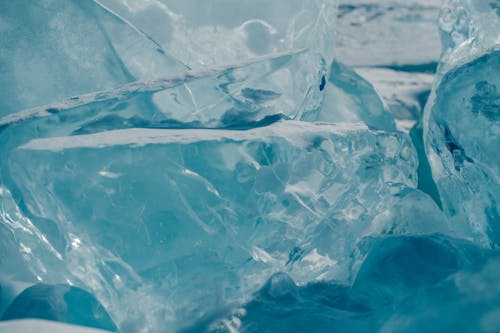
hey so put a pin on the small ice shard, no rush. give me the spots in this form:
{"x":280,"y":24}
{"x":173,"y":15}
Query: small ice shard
{"x":350,"y":98}
{"x":56,"y":49}
{"x":461,"y":124}
{"x":243,"y":95}
{"x":215,"y":32}
{"x":214,"y":212}
{"x":61,"y":303}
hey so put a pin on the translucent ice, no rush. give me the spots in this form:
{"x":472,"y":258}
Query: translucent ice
{"x":462,"y":120}
{"x":213,"y":212}
{"x":246,"y":94}
{"x":350,"y":98}
{"x":216,"y":32}
{"x":55,"y":49}
{"x":245,"y":187}
{"x":404,"y":92}
{"x":409,"y":284}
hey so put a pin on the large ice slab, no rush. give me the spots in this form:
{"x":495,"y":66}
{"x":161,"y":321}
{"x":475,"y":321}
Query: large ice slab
{"x":216,"y":32}
{"x":461,"y":127}
{"x":190,"y":220}
{"x":55,"y":49}
{"x":241,"y":95}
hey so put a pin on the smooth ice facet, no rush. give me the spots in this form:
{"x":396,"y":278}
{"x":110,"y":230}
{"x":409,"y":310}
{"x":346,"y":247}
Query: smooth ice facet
{"x":350,"y":98}
{"x":56,"y":49}
{"x":400,"y":280}
{"x":61,"y":303}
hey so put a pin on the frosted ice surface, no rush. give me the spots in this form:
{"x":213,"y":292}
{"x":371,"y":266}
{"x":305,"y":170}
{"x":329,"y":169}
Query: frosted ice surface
{"x":216,"y":32}
{"x":56,"y":49}
{"x":462,"y":119}
{"x":469,"y":27}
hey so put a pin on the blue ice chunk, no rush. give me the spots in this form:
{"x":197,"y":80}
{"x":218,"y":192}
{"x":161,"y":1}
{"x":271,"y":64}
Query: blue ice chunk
{"x":56,"y":49}
{"x":400,"y":279}
{"x":9,"y":289}
{"x":62,"y":303}
{"x":243,"y":95}
{"x":216,"y":32}
{"x":397,"y":267}
{"x":350,"y":98}
{"x":194,"y":219}
{"x":282,"y":306}
{"x":461,"y":124}
{"x":468,"y":301}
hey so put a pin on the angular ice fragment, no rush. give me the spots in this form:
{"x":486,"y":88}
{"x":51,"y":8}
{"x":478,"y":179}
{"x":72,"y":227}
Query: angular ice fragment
{"x":243,"y":95}
{"x":55,"y":49}
{"x":62,"y":303}
{"x":215,"y":32}
{"x":461,"y":125}
{"x":194,"y":219}
{"x":350,"y":98}
{"x":404,"y":92}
